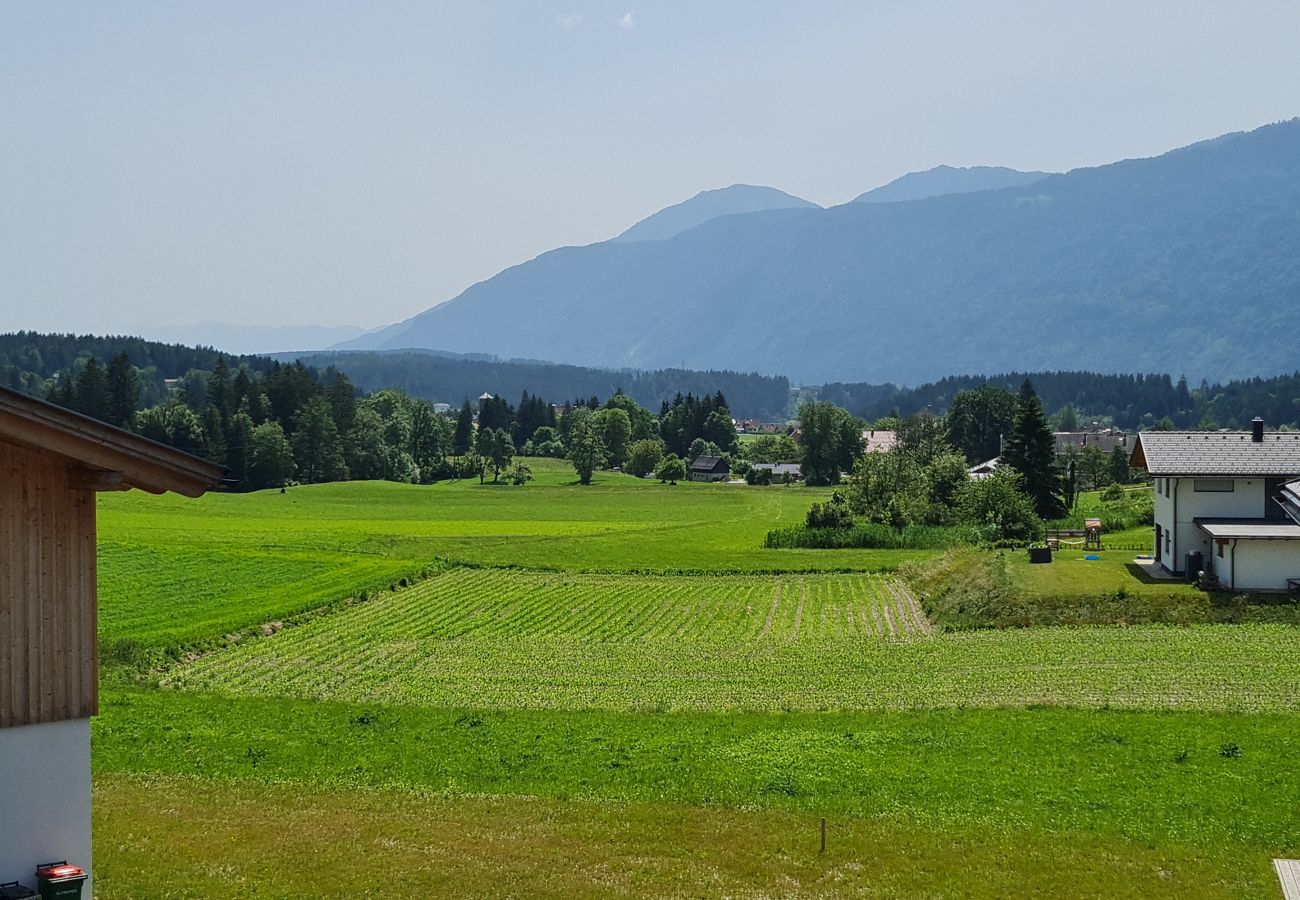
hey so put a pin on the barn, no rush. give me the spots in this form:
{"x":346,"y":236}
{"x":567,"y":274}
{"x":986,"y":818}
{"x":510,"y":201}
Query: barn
{"x":52,"y":463}
{"x":708,"y":468}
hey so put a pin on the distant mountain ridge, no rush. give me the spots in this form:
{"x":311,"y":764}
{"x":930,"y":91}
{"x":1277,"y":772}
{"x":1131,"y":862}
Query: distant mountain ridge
{"x":1185,"y":262}
{"x":942,"y":180}
{"x":708,"y":205}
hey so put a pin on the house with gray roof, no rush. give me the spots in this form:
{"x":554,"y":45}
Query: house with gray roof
{"x":1227,"y":503}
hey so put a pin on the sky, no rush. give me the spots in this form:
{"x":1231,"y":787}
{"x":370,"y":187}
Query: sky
{"x":271,"y":164}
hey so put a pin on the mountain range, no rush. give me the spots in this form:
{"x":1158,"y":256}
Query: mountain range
{"x":1184,"y":262}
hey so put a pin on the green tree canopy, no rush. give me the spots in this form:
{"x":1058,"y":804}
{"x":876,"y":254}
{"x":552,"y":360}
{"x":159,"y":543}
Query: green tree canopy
{"x":671,"y":469}
{"x":979,"y":420}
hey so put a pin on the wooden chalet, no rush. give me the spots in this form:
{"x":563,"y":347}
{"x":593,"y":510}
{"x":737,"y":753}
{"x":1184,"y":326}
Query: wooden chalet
{"x":52,"y":463}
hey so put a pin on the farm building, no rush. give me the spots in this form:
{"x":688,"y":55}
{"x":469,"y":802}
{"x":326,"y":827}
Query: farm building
{"x":708,"y":468}
{"x":782,"y":471}
{"x":1224,"y":505}
{"x":52,"y":462}
{"x":875,"y":441}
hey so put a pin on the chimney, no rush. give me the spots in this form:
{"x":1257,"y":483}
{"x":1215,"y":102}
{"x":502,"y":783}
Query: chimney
{"x":1257,"y":430}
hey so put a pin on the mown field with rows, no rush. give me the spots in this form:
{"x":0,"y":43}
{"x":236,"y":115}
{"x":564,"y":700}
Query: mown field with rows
{"x":509,"y":639}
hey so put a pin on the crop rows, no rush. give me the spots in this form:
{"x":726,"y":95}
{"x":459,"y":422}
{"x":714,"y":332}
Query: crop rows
{"x":509,"y":639}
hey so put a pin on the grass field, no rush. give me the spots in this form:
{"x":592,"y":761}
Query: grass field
{"x":615,"y":691}
{"x":519,"y":846}
{"x":176,"y":571}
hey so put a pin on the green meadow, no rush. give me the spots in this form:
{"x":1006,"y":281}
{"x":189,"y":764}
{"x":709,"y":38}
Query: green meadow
{"x":614,"y":690}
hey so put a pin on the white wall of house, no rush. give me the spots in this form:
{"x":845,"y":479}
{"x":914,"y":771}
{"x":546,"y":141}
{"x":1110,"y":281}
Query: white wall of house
{"x":44,"y":798}
{"x":1258,"y":565}
{"x":1175,"y":514}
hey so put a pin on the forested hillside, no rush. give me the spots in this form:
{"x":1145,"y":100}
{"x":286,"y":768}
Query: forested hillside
{"x":1184,"y":262}
{"x":451,"y":380}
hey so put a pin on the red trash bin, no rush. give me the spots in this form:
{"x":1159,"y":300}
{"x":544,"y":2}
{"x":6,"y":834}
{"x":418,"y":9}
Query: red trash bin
{"x":59,"y":881}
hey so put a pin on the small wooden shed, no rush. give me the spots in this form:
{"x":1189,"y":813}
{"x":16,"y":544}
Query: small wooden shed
{"x":52,"y":463}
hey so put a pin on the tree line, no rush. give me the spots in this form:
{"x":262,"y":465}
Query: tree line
{"x":291,"y":422}
{"x":1125,"y":401}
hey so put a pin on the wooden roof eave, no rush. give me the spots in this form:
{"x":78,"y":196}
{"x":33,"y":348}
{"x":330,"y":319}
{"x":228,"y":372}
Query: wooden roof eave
{"x":1138,"y":459}
{"x":144,"y":464}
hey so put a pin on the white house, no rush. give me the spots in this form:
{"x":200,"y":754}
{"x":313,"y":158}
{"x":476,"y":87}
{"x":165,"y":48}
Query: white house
{"x":1221,"y":504}
{"x":52,"y":462}
{"x":980,"y":471}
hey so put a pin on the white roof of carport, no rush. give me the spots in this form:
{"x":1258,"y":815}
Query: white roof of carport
{"x":1252,"y":529}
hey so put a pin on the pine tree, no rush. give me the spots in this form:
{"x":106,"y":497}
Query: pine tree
{"x":1031,"y":451}
{"x":92,"y":390}
{"x":463,"y":437}
{"x":221,"y":392}
{"x":123,"y":391}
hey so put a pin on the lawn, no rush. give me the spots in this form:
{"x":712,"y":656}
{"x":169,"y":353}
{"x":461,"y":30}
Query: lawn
{"x":277,"y":840}
{"x":1206,"y":797}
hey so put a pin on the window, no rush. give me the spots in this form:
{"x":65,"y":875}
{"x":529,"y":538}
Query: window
{"x":1220,"y":546}
{"x":1167,"y":480}
{"x":1209,"y":485}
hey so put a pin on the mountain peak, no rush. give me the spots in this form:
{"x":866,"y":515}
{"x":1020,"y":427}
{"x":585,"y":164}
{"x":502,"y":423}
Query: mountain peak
{"x":706,"y":205}
{"x":949,"y":180}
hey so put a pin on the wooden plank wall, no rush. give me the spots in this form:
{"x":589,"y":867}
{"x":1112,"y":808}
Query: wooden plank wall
{"x":48,"y":636}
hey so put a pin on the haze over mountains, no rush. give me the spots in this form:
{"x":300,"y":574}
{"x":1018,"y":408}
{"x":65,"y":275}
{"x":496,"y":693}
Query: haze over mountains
{"x":708,"y":205}
{"x":948,"y":180}
{"x":1185,"y":262}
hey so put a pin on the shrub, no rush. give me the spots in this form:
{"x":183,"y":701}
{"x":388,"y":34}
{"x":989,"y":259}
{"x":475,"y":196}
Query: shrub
{"x":519,"y":474}
{"x":872,"y":536}
{"x":834,"y":513}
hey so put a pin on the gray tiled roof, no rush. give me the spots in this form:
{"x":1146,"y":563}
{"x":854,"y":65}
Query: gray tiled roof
{"x":706,"y":463}
{"x":1220,"y":453}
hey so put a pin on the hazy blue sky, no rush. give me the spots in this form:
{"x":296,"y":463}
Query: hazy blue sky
{"x":277,"y":162}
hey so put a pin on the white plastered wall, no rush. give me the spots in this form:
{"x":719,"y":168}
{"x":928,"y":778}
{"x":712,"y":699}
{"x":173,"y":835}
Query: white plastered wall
{"x":44,"y":798}
{"x":1263,"y":565}
{"x":1185,"y":504}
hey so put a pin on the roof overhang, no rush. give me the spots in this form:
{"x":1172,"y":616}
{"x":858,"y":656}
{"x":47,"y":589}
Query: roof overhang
{"x":109,"y":458}
{"x":1249,"y":529}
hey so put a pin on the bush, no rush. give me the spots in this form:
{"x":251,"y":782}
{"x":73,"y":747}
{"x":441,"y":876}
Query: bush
{"x":519,"y":474}
{"x":758,"y":476}
{"x":834,"y":513}
{"x":997,"y":507}
{"x":872,"y":537}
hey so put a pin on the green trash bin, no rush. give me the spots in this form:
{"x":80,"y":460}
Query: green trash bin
{"x":59,"y":881}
